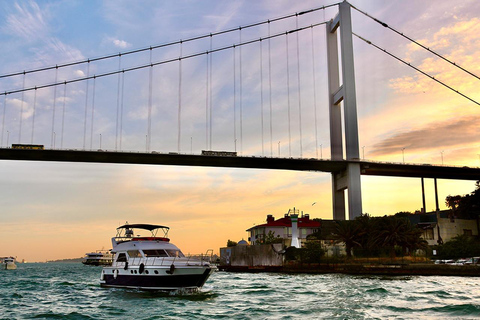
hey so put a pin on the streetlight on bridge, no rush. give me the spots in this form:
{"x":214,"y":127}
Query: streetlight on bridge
{"x":442,"y":156}
{"x":403,"y":154}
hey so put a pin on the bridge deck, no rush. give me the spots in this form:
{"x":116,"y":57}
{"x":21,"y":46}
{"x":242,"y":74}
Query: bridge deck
{"x":367,"y":167}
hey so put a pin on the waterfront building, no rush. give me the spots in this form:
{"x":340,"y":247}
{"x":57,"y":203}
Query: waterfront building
{"x":443,"y":226}
{"x":283,"y":231}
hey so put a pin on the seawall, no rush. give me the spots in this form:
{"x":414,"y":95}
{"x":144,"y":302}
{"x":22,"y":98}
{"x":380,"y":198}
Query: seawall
{"x":413,"y":269}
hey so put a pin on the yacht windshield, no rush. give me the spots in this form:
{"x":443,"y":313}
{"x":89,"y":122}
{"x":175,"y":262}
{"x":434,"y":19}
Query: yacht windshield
{"x":175,"y":253}
{"x":155,"y":253}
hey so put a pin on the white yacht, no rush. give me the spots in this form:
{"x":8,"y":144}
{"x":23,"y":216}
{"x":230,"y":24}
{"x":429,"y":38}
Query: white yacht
{"x":8,"y":263}
{"x":98,"y":258}
{"x":151,"y":262}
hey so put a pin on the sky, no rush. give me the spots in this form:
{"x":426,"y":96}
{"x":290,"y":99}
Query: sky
{"x":223,"y":100}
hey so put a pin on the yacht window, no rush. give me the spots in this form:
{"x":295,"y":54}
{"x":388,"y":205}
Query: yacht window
{"x":175,"y":253}
{"x":134,"y":254}
{"x":122,"y":257}
{"x":155,"y":253}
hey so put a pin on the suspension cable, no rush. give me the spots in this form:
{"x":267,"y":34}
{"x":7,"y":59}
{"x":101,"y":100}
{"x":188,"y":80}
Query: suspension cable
{"x":93,"y":114}
{"x":261,"y":97}
{"x":241,"y":97}
{"x":299,"y":92}
{"x":314,"y":94}
{"x":417,"y":69}
{"x":3,"y":118}
{"x":121,"y":111}
{"x":63,"y":115}
{"x":33,"y":115}
{"x":118,"y":100}
{"x":88,"y":77}
{"x":150,"y":98}
{"x":234,"y":99}
{"x":168,"y":44}
{"x":416,"y":42}
{"x":288,"y":99}
{"x":270,"y":90}
{"x":21,"y":109}
{"x":210,"y":107}
{"x":86,"y":106}
{"x":53,"y":111}
{"x":179,"y":98}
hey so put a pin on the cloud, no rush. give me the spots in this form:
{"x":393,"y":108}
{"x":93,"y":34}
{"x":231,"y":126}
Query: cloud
{"x":457,"y":42}
{"x":29,"y":22}
{"x":121,"y":43}
{"x":454,"y":132}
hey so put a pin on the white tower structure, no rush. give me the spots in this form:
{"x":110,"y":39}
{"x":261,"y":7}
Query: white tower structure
{"x":295,"y":241}
{"x":350,"y":177}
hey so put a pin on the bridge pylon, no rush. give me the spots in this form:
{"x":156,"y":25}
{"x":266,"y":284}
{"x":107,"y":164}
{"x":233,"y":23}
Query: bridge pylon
{"x":350,"y":177}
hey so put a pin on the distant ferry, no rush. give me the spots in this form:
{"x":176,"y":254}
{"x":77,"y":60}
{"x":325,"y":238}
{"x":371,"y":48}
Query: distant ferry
{"x":28,"y":146}
{"x":8,"y":263}
{"x":98,"y":258}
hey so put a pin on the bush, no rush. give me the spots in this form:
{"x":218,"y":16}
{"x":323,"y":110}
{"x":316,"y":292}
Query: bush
{"x":459,"y":247}
{"x":231,"y":243}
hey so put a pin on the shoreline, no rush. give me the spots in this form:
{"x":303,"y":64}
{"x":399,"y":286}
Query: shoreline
{"x":414,"y":269}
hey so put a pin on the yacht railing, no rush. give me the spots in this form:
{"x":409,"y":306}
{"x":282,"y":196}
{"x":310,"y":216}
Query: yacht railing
{"x":164,"y":261}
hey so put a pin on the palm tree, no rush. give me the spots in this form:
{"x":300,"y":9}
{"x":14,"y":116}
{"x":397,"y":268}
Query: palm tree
{"x":393,"y":233}
{"x":348,"y":232}
{"x":413,"y":239}
{"x":368,"y":233}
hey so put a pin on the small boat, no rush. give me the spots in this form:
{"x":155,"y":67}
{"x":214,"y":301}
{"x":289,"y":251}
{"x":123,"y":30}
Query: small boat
{"x":8,"y":263}
{"x":98,"y":258}
{"x":152,"y":262}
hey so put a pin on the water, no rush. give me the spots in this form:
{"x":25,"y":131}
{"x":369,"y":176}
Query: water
{"x":72,"y":291}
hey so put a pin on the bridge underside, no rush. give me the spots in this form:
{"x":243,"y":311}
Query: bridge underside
{"x":332,"y":166}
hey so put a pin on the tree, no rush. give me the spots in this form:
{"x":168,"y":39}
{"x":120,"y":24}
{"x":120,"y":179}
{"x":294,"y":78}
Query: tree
{"x":393,"y":233}
{"x":466,"y":206}
{"x":348,"y":232}
{"x":270,"y":238}
{"x":231,"y":243}
{"x":459,"y":247}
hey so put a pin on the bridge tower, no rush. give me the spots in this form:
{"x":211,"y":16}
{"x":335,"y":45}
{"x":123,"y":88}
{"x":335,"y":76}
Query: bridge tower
{"x":350,"y":177}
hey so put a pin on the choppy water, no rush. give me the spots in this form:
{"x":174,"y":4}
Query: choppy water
{"x":72,"y":291}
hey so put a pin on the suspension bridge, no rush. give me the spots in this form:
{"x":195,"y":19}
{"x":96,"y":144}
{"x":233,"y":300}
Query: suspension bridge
{"x":252,"y":93}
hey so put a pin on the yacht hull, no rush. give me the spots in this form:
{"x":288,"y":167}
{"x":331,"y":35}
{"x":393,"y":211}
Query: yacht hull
{"x":180,"y":279}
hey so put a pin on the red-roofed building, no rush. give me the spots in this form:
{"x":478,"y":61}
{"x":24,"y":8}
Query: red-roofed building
{"x":282,"y":228}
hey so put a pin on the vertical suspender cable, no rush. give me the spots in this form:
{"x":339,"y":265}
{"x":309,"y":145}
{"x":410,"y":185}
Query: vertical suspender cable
{"x":314,"y":94}
{"x":149,"y":125}
{"x":234,"y":98}
{"x":63,"y":113}
{"x":299,"y":91}
{"x":118,"y":100}
{"x":54,"y":106}
{"x":21,"y":109}
{"x":121,"y":110}
{"x":270,"y":89}
{"x":210,"y":93}
{"x":206,"y":101}
{"x":86,"y":106}
{"x":33,"y":115}
{"x":241,"y":96}
{"x":288,"y":98}
{"x":93,"y":112}
{"x":3,"y":118}
{"x":261,"y":95}
{"x":179,"y":96}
